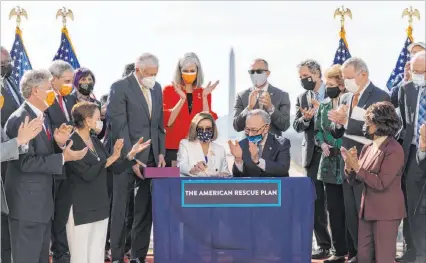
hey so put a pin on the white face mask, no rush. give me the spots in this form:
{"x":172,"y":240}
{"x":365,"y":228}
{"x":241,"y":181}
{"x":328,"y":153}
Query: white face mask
{"x":351,"y":85}
{"x":148,"y":82}
{"x":258,"y":79}
{"x":99,"y":125}
{"x":418,"y":79}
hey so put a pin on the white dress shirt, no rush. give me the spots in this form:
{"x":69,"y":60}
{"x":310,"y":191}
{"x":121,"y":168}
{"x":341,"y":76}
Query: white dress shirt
{"x":416,"y":116}
{"x":190,"y":153}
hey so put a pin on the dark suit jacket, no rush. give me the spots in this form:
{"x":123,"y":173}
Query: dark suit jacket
{"x":276,"y":154}
{"x":421,"y":159}
{"x":280,"y":118}
{"x":29,"y":180}
{"x":408,"y":95}
{"x":381,"y":171}
{"x":371,"y":95}
{"x":57,"y":116}
{"x":304,"y":100}
{"x":10,"y":104}
{"x":128,"y":117}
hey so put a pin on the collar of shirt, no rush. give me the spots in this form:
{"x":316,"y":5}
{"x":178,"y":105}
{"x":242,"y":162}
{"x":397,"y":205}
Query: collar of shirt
{"x":321,"y":91}
{"x":264,"y":88}
{"x":378,"y":141}
{"x":365,"y":87}
{"x":140,"y":84}
{"x":264,"y":140}
{"x":35,"y":109}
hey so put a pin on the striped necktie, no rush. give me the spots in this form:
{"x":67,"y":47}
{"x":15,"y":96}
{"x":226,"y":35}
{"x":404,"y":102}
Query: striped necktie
{"x":421,"y":117}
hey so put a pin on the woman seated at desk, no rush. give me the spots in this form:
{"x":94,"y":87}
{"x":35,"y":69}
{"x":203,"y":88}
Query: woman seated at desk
{"x":199,"y":155}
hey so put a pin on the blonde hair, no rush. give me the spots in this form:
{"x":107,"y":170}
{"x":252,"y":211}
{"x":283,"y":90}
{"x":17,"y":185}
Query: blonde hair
{"x":335,"y":72}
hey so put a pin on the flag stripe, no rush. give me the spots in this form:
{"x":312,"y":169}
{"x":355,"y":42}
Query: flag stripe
{"x":342,"y":53}
{"x":66,"y":50}
{"x":397,"y":74}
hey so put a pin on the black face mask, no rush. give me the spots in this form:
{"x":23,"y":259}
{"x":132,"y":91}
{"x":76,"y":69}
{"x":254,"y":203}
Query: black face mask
{"x":366,"y":132}
{"x":308,"y":83}
{"x":333,"y":92}
{"x":86,"y":88}
{"x":6,"y":71}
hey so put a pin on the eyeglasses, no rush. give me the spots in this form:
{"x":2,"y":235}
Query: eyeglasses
{"x":246,"y":130}
{"x":257,"y":71}
{"x":206,"y":129}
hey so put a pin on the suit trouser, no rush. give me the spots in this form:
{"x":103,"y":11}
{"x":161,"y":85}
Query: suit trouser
{"x":59,"y":233}
{"x":415,"y":180}
{"x":86,"y":241}
{"x":5,"y":240}
{"x":336,"y":212}
{"x":30,"y":241}
{"x":352,"y":198}
{"x":408,"y":239}
{"x":142,"y":214}
{"x":377,"y":237}
{"x":320,"y":221}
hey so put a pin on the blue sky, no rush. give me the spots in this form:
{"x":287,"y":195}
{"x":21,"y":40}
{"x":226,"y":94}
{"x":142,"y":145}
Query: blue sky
{"x":107,"y":35}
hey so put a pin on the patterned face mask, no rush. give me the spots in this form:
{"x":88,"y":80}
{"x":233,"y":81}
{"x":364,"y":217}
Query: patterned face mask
{"x":204,"y":135}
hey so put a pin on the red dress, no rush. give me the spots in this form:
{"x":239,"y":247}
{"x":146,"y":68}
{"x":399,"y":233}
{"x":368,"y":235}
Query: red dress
{"x":180,"y":128}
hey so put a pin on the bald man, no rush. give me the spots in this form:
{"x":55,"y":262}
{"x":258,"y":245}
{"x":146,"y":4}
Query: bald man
{"x":412,"y":104}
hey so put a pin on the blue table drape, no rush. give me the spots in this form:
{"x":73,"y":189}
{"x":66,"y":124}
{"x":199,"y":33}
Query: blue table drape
{"x":233,"y":234}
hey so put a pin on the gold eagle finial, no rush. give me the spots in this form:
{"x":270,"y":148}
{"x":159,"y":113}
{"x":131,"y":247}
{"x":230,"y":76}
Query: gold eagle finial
{"x":411,"y":13}
{"x":342,"y":12}
{"x":18,"y":12}
{"x":64,"y":13}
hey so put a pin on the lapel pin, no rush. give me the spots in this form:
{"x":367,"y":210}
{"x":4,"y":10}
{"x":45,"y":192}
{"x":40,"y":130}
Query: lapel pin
{"x":270,"y":148}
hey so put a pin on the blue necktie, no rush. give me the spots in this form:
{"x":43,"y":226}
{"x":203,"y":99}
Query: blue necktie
{"x":421,"y":119}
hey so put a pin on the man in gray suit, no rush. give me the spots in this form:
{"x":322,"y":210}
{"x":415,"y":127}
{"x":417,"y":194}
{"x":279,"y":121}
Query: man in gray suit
{"x":135,"y":110}
{"x":412,"y":105}
{"x":29,"y":180}
{"x":10,"y":150}
{"x":262,"y":96}
{"x":348,"y":122}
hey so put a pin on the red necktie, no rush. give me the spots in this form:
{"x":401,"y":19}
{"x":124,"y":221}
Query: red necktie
{"x":47,"y":128}
{"x":60,"y":100}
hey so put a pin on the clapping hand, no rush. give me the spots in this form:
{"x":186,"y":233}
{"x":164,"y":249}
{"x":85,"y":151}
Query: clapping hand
{"x":265,"y":100}
{"x":180,"y":90}
{"x":138,"y":147}
{"x":28,"y":130}
{"x":62,"y":134}
{"x":350,"y":157}
{"x":315,"y":104}
{"x":308,"y":114}
{"x":236,"y":150}
{"x":422,"y":139}
{"x":118,"y":145}
{"x":339,"y":115}
{"x":254,"y":152}
{"x":70,"y":155}
{"x":325,"y":149}
{"x":252,"y":99}
{"x":207,"y":90}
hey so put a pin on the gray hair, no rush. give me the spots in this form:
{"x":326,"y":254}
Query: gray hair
{"x":189,"y":59}
{"x":146,"y":59}
{"x":263,"y":114}
{"x":264,"y":62}
{"x":358,"y":64}
{"x":32,"y":79}
{"x":418,"y":55}
{"x":312,"y":65}
{"x":58,"y":67}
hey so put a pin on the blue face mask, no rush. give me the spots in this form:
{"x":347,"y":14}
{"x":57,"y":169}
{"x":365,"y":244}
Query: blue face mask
{"x":256,"y":139}
{"x":204,"y":135}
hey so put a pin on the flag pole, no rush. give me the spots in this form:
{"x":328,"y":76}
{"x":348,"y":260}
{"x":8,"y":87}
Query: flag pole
{"x":342,"y":12}
{"x":410,"y":12}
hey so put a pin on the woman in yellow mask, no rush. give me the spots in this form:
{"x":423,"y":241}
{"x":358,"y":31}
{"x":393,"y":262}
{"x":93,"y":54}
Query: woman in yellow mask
{"x":182,"y":100}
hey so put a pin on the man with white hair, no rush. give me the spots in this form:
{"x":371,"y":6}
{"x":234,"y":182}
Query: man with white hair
{"x":348,"y":122}
{"x":261,"y":153}
{"x":412,"y":105}
{"x":29,"y":180}
{"x":135,"y":110}
{"x":60,"y":112}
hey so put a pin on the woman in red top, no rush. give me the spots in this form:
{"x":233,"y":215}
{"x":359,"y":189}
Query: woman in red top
{"x":182,"y":101}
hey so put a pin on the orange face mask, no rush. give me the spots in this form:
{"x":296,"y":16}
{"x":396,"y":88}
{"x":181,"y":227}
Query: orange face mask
{"x":50,"y":99}
{"x":65,"y":89}
{"x":1,"y":101}
{"x":189,"y":78}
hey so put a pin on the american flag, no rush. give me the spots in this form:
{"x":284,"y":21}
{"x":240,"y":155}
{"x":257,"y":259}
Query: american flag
{"x":66,"y":50}
{"x":398,"y":72}
{"x":342,"y":53}
{"x":20,"y":60}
